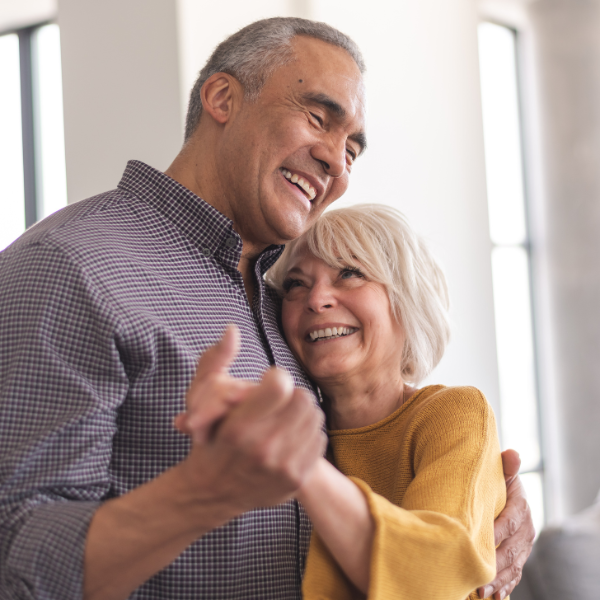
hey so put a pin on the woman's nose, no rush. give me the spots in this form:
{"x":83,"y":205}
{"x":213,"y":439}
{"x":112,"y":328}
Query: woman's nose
{"x":320,"y":298}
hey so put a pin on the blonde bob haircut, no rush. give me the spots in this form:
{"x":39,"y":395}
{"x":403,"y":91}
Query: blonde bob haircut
{"x":389,"y":252}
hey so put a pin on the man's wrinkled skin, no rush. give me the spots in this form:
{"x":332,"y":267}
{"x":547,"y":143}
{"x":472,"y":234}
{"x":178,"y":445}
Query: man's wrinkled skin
{"x":513,"y":531}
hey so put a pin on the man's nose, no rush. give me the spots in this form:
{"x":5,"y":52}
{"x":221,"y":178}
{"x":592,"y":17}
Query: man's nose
{"x":331,"y":153}
{"x":320,"y":298}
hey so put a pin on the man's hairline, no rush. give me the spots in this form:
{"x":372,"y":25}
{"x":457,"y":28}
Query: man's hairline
{"x":362,"y":139}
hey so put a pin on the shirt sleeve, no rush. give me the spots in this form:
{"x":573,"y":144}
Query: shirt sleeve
{"x":439,"y":544}
{"x":61,"y":382}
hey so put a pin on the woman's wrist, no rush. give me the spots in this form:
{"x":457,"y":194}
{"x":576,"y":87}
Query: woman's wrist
{"x":309,"y":489}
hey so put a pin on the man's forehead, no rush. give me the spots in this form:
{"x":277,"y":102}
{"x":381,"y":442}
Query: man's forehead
{"x":328,"y":75}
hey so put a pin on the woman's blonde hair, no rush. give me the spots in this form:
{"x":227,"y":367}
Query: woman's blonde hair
{"x":391,"y":253}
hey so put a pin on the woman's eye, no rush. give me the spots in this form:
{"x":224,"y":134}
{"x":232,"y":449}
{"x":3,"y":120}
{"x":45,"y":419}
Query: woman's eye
{"x":350,"y":273}
{"x":288,"y":284}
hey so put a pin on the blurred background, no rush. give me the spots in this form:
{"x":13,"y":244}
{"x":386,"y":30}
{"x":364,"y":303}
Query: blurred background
{"x":484,"y":129}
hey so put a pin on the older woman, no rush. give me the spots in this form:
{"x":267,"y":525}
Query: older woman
{"x":365,"y":313}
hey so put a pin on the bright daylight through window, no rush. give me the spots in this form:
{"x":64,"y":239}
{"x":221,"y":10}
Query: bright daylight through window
{"x":32,"y":153}
{"x":519,"y":423}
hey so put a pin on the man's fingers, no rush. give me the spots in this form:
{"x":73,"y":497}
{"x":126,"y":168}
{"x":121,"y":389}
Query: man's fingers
{"x":219,"y":398}
{"x":511,"y":463}
{"x":514,"y":514}
{"x":274,"y":391}
{"x":507,"y":589}
{"x":505,"y":580}
{"x":218,"y":358}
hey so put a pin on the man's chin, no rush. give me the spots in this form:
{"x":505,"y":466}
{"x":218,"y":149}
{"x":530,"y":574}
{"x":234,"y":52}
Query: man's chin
{"x":287,"y":230}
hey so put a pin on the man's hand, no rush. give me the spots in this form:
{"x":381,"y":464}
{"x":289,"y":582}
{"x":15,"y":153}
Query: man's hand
{"x":513,"y":530}
{"x":253,"y":444}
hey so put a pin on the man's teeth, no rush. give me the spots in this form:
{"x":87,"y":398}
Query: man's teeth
{"x":331,"y":332}
{"x":309,"y":189}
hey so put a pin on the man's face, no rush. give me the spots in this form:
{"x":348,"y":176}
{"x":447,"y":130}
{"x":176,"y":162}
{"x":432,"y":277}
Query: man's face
{"x":307,"y":123}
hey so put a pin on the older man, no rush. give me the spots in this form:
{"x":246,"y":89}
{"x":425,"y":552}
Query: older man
{"x":106,"y":307}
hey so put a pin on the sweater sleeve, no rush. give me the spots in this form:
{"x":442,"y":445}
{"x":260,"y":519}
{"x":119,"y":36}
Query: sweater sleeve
{"x":439,"y":543}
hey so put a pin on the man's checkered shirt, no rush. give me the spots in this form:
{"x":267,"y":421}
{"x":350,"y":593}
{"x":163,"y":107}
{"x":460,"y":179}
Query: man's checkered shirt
{"x":104,"y":310}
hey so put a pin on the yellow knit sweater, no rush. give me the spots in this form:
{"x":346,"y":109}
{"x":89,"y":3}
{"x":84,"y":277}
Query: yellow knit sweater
{"x":432,"y":474}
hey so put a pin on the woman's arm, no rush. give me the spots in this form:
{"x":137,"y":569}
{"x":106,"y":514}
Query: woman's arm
{"x":340,"y":514}
{"x":439,"y":543}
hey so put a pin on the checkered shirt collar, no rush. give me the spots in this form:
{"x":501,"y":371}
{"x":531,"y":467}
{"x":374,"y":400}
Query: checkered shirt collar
{"x":201,"y":223}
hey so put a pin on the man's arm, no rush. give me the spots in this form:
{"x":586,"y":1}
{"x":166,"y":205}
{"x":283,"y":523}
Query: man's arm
{"x":514,"y":533}
{"x":259,"y":455}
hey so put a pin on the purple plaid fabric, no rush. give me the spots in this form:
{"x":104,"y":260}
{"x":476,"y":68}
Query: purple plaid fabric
{"x":104,"y":309}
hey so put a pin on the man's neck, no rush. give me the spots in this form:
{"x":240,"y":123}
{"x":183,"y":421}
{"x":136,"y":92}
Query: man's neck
{"x":193,"y":169}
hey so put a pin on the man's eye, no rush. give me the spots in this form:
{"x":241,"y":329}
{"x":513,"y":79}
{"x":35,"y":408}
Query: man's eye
{"x":317,"y":118}
{"x":351,"y":154}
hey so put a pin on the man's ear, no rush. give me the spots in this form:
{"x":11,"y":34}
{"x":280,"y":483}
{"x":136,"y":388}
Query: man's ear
{"x":221,"y":94}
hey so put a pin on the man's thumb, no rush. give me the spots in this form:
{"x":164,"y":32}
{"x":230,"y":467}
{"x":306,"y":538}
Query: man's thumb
{"x":218,"y":358}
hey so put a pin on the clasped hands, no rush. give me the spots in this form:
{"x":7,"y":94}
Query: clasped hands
{"x":253,"y":444}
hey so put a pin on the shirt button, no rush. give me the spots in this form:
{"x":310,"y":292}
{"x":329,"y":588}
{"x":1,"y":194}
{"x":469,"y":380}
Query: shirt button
{"x":231,"y":242}
{"x":206,"y":251}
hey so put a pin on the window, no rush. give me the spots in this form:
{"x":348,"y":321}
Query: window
{"x":511,"y":264}
{"x":32,"y":154}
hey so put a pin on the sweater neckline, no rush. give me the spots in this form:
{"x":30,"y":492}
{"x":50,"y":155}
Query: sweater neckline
{"x":389,"y":418}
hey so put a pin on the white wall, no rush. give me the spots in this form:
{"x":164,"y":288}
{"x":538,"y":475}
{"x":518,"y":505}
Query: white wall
{"x":121,"y":89}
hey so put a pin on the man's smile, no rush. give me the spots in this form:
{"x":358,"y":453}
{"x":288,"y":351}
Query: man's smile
{"x":300,"y":182}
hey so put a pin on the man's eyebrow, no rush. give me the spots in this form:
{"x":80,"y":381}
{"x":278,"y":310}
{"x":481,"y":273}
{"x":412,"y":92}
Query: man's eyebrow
{"x":339,"y":111}
{"x":329,"y":103}
{"x":361,"y":139}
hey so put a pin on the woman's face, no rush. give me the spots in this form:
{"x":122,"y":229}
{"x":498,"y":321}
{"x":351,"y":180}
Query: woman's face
{"x":339,"y":324}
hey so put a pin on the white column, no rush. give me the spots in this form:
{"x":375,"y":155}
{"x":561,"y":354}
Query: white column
{"x":565,"y":36}
{"x":121,"y":89}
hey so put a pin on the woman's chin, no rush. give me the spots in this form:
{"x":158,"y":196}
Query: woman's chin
{"x":323,"y":372}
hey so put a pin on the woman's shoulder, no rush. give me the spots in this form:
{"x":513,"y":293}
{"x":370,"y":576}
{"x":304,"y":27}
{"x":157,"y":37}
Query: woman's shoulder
{"x":445,"y":404}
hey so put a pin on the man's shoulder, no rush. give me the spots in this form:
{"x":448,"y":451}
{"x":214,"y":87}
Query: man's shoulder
{"x":76,"y":218}
{"x":86,"y":230}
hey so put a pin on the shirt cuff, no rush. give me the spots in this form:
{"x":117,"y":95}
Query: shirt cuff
{"x":45,"y":559}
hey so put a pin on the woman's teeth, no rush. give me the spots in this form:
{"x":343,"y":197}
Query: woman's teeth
{"x":331,"y":332}
{"x":299,"y":181}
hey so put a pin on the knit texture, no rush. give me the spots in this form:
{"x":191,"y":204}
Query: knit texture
{"x":432,"y":474}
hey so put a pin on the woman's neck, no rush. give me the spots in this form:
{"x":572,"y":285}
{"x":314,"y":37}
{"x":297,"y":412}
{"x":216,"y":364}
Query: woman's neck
{"x":352,"y":404}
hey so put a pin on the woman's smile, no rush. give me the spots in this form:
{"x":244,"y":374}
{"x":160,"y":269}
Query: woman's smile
{"x":329,"y":332}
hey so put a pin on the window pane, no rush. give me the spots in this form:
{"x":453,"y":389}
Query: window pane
{"x":12,"y":195}
{"x":519,"y":419}
{"x":52,"y":180}
{"x":502,"y":136}
{"x":532,"y":482}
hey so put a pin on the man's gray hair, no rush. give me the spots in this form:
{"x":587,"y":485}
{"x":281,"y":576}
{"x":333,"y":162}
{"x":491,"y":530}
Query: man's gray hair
{"x":253,"y":54}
